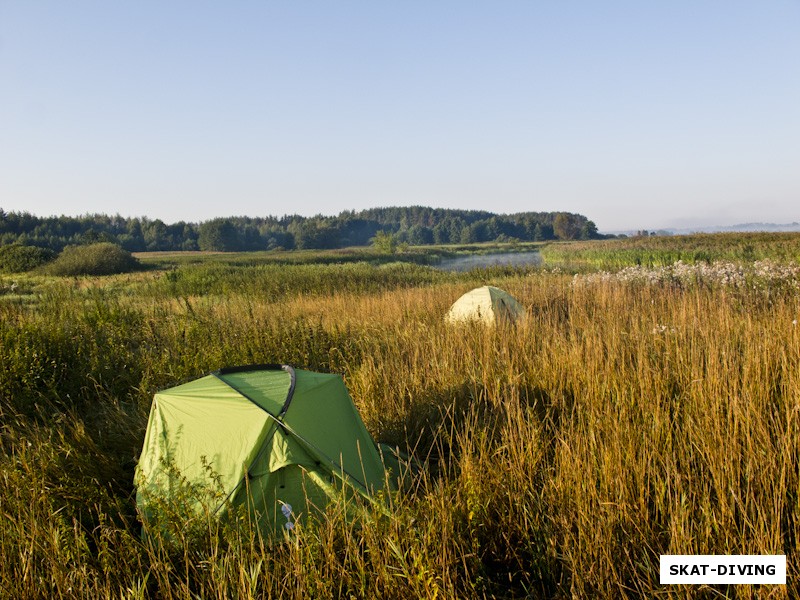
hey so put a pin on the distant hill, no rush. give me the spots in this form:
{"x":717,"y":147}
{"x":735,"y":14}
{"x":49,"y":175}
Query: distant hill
{"x":742,"y":227}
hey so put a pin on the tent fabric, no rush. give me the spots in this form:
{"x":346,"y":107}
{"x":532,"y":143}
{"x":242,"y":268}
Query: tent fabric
{"x":268,"y":438}
{"x":487,"y":304}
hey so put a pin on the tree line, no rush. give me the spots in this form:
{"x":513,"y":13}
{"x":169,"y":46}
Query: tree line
{"x":415,"y":225}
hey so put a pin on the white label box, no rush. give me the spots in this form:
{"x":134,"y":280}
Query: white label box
{"x":724,"y":569}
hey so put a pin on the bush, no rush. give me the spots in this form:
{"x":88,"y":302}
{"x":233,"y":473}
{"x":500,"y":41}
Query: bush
{"x":17,"y":258}
{"x":103,"y":258}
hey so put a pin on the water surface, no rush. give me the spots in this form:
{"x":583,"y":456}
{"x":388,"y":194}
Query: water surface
{"x":502,"y":259}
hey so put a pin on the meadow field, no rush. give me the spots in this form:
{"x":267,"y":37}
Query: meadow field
{"x":649,"y":405}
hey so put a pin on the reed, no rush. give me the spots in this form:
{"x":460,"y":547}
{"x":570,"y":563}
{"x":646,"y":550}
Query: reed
{"x":624,"y":420}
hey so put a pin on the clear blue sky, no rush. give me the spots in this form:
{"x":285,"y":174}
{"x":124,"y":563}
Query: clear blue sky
{"x":638,"y":114}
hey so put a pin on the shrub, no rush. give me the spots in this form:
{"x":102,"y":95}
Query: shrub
{"x":17,"y":258}
{"x":103,"y":258}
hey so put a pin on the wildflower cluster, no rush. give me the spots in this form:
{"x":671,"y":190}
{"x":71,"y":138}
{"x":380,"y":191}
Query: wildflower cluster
{"x":659,"y":329}
{"x":763,"y":274}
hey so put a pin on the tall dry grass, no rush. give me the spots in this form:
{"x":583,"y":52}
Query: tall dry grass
{"x":563,"y":456}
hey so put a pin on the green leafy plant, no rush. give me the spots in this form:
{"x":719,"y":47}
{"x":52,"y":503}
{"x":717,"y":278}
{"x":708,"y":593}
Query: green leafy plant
{"x":103,"y":258}
{"x":16,"y":258}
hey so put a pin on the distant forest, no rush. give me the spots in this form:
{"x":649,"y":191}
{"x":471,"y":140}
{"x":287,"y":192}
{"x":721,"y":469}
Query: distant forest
{"x":415,"y":225}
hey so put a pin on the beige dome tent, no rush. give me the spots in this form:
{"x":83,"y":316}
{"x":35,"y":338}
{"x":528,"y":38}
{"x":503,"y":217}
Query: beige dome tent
{"x":486,"y":304}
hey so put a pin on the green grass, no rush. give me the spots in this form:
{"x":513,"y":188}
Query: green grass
{"x":624,"y":420}
{"x":423,"y":255}
{"x":666,"y":250}
{"x":276,"y":257}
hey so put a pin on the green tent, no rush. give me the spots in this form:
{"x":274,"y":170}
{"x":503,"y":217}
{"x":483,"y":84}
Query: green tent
{"x":488,"y":305}
{"x":269,"y":439}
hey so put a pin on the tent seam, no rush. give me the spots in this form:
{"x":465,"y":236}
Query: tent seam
{"x":292,"y":432}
